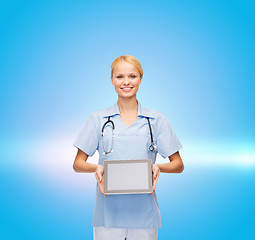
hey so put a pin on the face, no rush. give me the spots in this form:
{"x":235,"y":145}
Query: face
{"x":126,"y":79}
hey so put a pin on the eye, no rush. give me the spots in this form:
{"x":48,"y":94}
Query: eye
{"x":119,"y":76}
{"x":133,"y":76}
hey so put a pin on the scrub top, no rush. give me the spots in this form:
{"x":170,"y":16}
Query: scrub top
{"x":127,"y":210}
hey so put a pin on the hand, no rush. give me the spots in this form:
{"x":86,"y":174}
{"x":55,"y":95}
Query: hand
{"x":156,"y":172}
{"x":99,"y":176}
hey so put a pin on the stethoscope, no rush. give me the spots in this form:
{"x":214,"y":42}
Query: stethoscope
{"x":153,"y":146}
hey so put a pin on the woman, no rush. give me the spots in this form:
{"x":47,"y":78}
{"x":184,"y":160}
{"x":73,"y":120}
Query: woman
{"x":127,"y":216}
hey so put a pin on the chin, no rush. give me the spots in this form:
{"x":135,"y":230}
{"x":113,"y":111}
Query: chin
{"x":126,"y":95}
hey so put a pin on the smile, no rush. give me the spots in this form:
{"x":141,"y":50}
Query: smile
{"x":126,"y":89}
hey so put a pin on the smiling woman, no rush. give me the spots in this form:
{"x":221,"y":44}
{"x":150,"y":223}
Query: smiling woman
{"x":126,"y":78}
{"x":123,"y":132}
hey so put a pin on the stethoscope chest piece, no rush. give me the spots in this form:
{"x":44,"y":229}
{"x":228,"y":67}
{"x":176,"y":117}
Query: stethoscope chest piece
{"x":105,"y":152}
{"x":153,"y":147}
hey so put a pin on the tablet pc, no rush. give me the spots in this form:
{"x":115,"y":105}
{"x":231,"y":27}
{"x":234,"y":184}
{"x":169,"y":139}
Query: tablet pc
{"x":127,"y":176}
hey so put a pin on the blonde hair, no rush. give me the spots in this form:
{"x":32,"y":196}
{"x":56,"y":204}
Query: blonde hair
{"x":130,"y":59}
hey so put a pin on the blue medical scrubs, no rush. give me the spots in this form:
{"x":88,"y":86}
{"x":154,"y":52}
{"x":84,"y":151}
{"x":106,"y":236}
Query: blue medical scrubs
{"x":127,"y":210}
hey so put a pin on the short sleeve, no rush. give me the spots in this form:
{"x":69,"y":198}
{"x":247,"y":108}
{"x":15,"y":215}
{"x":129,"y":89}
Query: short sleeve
{"x":87,"y":140}
{"x":167,"y":141}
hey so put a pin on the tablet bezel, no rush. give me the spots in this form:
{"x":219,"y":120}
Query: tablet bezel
{"x":127,"y":191}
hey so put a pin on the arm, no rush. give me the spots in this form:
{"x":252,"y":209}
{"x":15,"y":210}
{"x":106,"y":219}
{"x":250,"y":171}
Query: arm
{"x":174,"y":166}
{"x":81,"y":165}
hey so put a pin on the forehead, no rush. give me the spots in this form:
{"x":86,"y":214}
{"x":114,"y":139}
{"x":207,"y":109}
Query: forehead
{"x":124,"y":67}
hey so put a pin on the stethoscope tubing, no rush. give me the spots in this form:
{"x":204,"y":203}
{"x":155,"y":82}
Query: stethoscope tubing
{"x":113,"y":127}
{"x":153,"y":146}
{"x":108,"y":121}
{"x":150,"y":130}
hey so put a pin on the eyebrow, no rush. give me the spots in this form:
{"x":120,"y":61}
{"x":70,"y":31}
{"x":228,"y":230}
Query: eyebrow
{"x":122,"y":73}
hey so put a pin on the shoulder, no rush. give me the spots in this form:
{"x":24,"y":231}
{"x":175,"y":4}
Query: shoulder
{"x":102,"y":113}
{"x":158,"y":119}
{"x":152,"y":113}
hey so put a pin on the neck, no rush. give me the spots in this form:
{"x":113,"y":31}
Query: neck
{"x":127,"y":104}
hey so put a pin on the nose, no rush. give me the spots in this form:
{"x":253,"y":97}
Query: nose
{"x":126,"y":80}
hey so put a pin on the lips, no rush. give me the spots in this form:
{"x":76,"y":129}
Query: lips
{"x":127,"y":89}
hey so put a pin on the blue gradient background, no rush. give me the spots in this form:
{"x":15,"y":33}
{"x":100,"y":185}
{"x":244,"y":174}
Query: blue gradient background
{"x":198,"y":60}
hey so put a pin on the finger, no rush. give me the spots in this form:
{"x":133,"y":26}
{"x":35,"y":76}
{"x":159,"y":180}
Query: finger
{"x":154,"y":184}
{"x":101,"y":189}
{"x":156,"y":180}
{"x":101,"y":174}
{"x":153,"y":189}
{"x":97,"y":177}
{"x":100,"y":183}
{"x":156,"y":173}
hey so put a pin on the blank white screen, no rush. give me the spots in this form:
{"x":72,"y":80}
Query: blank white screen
{"x":128,"y":176}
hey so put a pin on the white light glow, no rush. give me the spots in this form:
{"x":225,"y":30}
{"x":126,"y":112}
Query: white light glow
{"x":248,"y":159}
{"x":52,"y":160}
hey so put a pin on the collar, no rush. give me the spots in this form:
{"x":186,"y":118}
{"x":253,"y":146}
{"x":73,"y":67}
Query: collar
{"x":142,"y":111}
